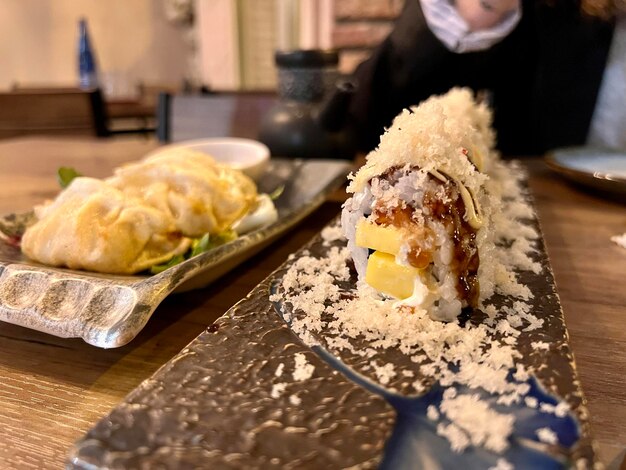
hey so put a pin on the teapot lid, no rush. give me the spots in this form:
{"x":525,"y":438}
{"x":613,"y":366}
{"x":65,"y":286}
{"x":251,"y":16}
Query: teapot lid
{"x":307,"y":58}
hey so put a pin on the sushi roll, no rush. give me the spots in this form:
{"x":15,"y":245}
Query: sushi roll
{"x":419,"y":217}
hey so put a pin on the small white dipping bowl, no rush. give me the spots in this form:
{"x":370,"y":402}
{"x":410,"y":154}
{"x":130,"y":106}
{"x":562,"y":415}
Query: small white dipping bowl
{"x":247,"y":155}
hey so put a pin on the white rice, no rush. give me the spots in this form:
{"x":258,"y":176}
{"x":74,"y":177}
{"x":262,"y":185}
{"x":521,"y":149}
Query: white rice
{"x":440,"y":135}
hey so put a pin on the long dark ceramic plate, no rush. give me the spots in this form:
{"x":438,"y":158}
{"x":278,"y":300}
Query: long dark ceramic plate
{"x":110,"y":310}
{"x":251,"y":393}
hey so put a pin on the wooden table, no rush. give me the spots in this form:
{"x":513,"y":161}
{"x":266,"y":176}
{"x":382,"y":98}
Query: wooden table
{"x":52,"y":390}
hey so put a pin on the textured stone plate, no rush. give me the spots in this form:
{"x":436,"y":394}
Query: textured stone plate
{"x":249,"y":393}
{"x":109,"y":310}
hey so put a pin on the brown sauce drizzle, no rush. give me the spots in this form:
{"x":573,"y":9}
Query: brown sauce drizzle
{"x":421,"y":241}
{"x":465,"y":260}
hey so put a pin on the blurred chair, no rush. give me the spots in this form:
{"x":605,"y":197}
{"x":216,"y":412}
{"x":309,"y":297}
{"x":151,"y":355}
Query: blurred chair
{"x":149,"y":92}
{"x":227,"y":114}
{"x":132,"y":110}
{"x":52,"y":111}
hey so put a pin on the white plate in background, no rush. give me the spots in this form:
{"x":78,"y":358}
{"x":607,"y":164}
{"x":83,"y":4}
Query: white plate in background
{"x":597,"y":168}
{"x":250,"y":156}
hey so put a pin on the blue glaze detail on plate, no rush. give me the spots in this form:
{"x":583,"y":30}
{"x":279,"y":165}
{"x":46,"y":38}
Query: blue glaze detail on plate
{"x":415,"y":437}
{"x":415,"y":444}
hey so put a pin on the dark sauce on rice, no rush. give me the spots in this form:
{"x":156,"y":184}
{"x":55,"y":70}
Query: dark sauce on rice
{"x":450,"y":214}
{"x":465,"y":261}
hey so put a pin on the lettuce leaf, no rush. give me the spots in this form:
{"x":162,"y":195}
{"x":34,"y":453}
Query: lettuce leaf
{"x":198,"y":246}
{"x":65,"y":175}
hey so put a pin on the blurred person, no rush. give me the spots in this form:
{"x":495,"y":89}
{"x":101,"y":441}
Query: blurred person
{"x":542,"y":63}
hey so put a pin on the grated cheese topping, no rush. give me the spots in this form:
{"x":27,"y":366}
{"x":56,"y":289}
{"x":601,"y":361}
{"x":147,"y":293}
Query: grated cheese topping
{"x":425,"y":136}
{"x":482,"y":426}
{"x":502,"y":464}
{"x":432,"y":413}
{"x":384,"y":373}
{"x":278,"y":389}
{"x":358,"y":321}
{"x":303,"y":370}
{"x":295,"y":400}
{"x":547,"y":435}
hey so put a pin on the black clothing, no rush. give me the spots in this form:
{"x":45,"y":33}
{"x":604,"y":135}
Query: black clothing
{"x":544,"y":77}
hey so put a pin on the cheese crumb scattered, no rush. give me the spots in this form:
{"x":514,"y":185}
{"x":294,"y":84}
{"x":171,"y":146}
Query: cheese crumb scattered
{"x":279,"y":370}
{"x":295,"y":400}
{"x":620,"y":240}
{"x":561,"y":409}
{"x":278,"y":389}
{"x":582,"y":464}
{"x":432,"y":413}
{"x":502,"y":464}
{"x":383,"y":373}
{"x":484,"y":426}
{"x":540,"y":345}
{"x":521,"y":374}
{"x":303,"y":370}
{"x":531,"y":402}
{"x":331,"y":233}
{"x":458,"y":439}
{"x":418,"y":386}
{"x":547,"y":435}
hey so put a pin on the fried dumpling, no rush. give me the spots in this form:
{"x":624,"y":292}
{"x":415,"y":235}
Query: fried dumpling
{"x":94,"y":226}
{"x":201,"y":195}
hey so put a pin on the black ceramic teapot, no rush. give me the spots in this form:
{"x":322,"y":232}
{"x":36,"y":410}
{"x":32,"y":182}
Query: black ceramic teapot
{"x":310,"y":119}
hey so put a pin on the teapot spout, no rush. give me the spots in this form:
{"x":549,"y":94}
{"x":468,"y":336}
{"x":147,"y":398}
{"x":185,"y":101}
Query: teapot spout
{"x":333,"y":116}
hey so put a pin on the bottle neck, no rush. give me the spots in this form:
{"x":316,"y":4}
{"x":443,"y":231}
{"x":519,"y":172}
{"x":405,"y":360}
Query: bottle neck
{"x":87,"y":70}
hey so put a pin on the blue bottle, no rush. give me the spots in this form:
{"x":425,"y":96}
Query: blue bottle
{"x":87,"y":69}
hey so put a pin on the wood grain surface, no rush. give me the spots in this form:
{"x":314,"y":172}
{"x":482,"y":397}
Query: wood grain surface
{"x":52,"y":390}
{"x":590,"y":271}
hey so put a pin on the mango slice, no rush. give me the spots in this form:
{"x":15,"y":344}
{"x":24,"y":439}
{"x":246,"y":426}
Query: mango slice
{"x":387,"y":239}
{"x":388,"y":277}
